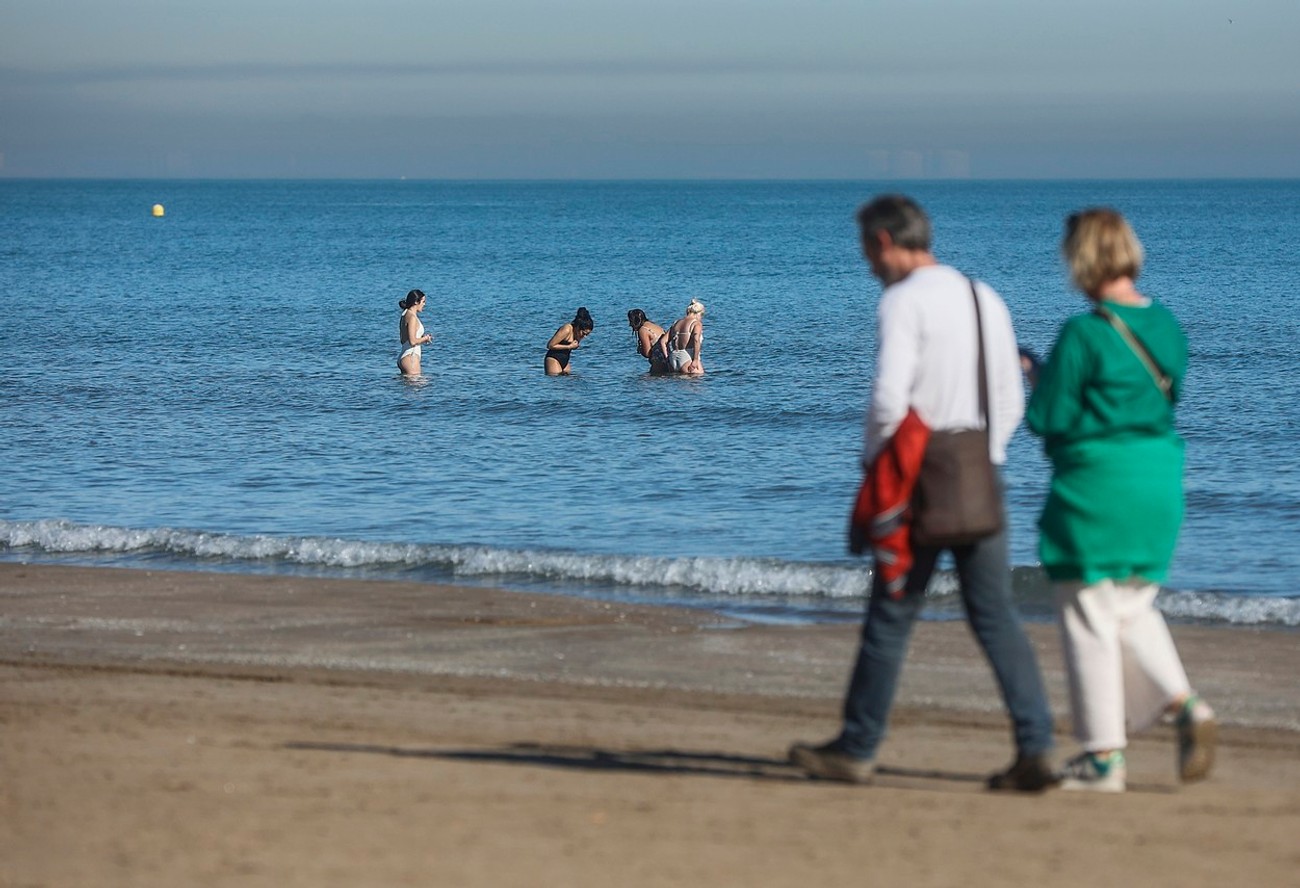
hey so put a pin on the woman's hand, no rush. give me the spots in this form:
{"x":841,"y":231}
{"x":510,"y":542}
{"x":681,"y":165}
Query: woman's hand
{"x":1029,"y":365}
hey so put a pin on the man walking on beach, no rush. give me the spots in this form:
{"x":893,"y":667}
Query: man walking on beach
{"x":927,"y":352}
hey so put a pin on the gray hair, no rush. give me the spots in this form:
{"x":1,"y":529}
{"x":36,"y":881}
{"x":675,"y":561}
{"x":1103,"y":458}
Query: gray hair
{"x":900,"y":216}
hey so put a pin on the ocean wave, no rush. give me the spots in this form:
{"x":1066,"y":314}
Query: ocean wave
{"x":1247,"y":610}
{"x":705,"y":576}
{"x":705,"y":580}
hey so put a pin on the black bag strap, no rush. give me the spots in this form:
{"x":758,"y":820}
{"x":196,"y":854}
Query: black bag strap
{"x":1161,"y":379}
{"x":979,"y":340}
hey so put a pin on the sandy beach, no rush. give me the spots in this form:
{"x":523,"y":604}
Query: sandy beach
{"x":167,"y":728}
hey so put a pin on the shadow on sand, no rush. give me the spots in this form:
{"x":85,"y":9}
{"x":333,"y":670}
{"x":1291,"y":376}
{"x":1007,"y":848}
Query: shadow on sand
{"x":663,"y":761}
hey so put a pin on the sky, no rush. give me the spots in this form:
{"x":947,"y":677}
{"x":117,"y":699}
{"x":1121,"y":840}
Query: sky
{"x":660,"y":89}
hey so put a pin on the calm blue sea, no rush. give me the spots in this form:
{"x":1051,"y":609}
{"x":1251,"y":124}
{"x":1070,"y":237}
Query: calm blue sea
{"x":216,"y":389}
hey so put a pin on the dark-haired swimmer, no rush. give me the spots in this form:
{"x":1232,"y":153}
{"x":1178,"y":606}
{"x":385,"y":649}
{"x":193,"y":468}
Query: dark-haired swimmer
{"x":651,"y":343}
{"x":410,"y":333}
{"x":565,"y":340}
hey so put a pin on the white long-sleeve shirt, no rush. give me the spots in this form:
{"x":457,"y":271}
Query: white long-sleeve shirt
{"x":927,"y":360}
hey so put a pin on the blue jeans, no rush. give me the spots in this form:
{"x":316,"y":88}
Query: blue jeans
{"x":985,"y":575}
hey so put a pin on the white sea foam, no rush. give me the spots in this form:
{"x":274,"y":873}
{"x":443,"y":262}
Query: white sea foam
{"x":1241,"y":609}
{"x":748,"y":578}
{"x":708,"y":576}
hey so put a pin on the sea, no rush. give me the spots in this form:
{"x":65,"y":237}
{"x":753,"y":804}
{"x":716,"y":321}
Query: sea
{"x":215,"y":388}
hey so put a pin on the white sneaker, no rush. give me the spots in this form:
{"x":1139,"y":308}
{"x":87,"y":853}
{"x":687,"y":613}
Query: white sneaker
{"x":1091,"y":772}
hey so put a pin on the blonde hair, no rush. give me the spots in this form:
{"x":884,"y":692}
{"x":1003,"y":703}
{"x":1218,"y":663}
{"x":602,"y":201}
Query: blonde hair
{"x":1100,"y":246}
{"x":696,"y":307}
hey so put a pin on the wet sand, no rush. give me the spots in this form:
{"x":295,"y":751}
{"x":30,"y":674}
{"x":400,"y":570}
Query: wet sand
{"x":226,"y":729}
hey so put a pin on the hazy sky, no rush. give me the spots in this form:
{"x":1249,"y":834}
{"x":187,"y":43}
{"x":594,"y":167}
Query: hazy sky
{"x":649,"y":88}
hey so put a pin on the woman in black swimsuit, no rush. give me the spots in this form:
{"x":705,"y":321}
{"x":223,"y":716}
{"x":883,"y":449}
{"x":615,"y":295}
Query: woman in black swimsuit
{"x":650,"y":342}
{"x":565,"y":340}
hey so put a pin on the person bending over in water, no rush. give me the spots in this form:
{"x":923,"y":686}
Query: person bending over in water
{"x":565,"y":340}
{"x":650,"y":341}
{"x":684,"y":339}
{"x":410,"y":333}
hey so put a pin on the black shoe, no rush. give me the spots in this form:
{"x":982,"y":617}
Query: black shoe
{"x":1029,"y":773}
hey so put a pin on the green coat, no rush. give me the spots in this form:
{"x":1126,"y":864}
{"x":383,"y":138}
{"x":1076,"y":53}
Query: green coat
{"x":1116,"y":500}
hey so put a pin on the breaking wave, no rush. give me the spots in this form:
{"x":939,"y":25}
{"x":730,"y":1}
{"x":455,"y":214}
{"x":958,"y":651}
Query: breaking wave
{"x":787,"y":589}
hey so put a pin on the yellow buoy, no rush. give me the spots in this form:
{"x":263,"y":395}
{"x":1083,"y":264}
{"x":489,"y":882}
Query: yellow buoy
{"x":158,"y":209}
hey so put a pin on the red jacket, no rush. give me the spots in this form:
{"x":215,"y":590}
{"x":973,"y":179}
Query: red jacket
{"x":881,"y":517}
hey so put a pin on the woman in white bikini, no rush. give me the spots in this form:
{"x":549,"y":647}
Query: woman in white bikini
{"x":684,"y":339}
{"x":410,"y":333}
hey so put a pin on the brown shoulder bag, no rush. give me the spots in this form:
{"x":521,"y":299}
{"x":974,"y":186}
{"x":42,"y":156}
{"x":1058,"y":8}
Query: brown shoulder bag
{"x":957,"y":499}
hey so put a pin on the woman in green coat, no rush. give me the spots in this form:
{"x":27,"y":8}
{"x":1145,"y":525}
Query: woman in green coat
{"x":1104,"y":406}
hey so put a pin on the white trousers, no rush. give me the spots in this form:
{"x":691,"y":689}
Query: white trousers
{"x":1119,"y":658}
